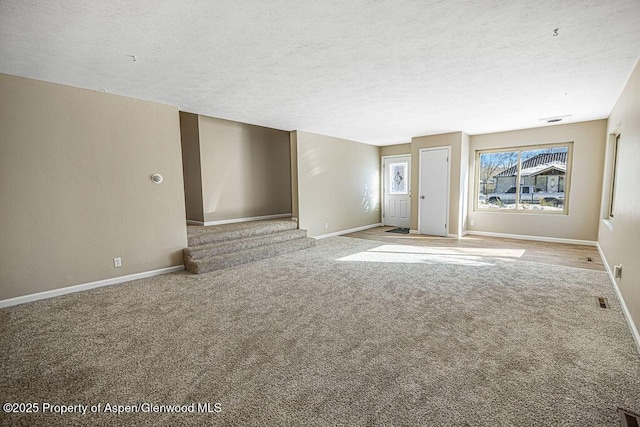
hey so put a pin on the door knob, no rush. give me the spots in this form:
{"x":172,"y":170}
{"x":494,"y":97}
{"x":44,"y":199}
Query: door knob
{"x":422,"y":197}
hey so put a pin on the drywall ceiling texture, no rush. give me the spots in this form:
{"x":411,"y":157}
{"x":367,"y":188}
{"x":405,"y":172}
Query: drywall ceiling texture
{"x":370,"y":71}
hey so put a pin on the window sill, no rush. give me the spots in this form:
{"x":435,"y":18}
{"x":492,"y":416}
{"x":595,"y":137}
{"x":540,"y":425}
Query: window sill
{"x":522,"y":211}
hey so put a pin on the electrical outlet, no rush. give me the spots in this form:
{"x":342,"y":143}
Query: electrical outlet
{"x":117,"y":262}
{"x":326,"y":225}
{"x":472,"y":222}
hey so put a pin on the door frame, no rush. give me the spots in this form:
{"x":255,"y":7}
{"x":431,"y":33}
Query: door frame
{"x":383,"y":176}
{"x":420,"y":151}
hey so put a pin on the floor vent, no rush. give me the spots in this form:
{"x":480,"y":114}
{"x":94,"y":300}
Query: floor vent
{"x":602,"y":302}
{"x":628,"y":419}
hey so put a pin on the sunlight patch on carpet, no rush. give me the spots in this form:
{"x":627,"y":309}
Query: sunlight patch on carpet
{"x":485,"y":252}
{"x":416,"y":258}
{"x":419,"y":254}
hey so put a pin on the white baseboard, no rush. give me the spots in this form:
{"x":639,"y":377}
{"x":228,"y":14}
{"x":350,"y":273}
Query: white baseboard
{"x":623,"y":304}
{"x":535,"y":238}
{"x":351,"y":230}
{"x":86,"y":286}
{"x":414,"y":232}
{"x":233,"y":221}
{"x":454,"y":236}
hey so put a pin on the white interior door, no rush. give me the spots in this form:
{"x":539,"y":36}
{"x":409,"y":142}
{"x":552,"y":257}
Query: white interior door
{"x":433,"y":208}
{"x":396,"y":201}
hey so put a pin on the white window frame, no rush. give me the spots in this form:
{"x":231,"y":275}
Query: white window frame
{"x":614,"y":174}
{"x":519,"y":149}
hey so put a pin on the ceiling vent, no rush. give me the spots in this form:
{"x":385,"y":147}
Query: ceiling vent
{"x":628,"y":418}
{"x":555,"y":119}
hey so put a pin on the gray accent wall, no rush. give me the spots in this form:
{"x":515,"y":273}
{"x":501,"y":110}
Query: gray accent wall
{"x":191,"y":166}
{"x":245,"y":170}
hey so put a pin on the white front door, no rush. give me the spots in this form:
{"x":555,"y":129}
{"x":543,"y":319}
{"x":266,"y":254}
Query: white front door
{"x":433,"y":208}
{"x":396,"y":202}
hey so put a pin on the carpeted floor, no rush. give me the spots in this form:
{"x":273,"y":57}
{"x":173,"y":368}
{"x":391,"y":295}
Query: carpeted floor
{"x":326,"y":337}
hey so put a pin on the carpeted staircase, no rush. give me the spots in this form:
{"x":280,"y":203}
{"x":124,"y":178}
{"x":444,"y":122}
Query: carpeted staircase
{"x":222,"y":246}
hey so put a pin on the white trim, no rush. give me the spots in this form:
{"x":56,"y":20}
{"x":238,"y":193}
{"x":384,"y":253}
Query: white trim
{"x":351,"y":230}
{"x":414,"y":232}
{"x":420,"y":151}
{"x":396,"y":155}
{"x":86,"y":286}
{"x":535,"y":238}
{"x":454,"y":236}
{"x":625,"y":310}
{"x":609,"y":223}
{"x":617,"y":128}
{"x":612,"y":174}
{"x":233,"y":221}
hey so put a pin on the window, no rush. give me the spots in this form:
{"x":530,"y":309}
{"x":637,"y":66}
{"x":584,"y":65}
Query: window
{"x":612,"y":201}
{"x":398,"y":178}
{"x":524,"y":179}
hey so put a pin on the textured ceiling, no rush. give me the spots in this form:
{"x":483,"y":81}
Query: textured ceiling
{"x":375,"y":71}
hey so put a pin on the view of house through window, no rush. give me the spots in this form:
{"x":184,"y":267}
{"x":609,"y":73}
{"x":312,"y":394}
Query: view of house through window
{"x":527,"y":179}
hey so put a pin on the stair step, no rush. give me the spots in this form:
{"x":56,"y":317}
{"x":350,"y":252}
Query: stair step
{"x":199,"y":235}
{"x":218,"y":262}
{"x":219,"y":248}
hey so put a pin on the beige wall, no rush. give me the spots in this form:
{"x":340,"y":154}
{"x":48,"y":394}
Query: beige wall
{"x":75,"y":186}
{"x":245,"y":170}
{"x":338,"y":184}
{"x":454,"y":140}
{"x":620,"y":240}
{"x":191,"y":167}
{"x":463,"y":207}
{"x":585,"y":186}
{"x":395,"y":150}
